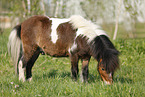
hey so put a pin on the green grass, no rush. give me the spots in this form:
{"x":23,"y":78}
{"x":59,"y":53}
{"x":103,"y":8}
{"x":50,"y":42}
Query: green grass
{"x":52,"y":76}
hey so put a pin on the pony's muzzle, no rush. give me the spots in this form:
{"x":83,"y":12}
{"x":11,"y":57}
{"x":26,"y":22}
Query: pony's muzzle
{"x":108,"y":82}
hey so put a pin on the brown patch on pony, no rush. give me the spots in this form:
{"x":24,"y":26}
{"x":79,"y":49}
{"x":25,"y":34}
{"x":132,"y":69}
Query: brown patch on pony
{"x":41,"y":28}
{"x":66,"y":36}
{"x":32,"y":30}
{"x":83,"y":49}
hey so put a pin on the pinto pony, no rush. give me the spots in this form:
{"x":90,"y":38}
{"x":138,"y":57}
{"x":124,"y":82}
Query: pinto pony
{"x":75,"y":37}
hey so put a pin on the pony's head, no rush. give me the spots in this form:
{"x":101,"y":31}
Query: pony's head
{"x":107,"y":56}
{"x":106,"y":77}
{"x":107,"y":65}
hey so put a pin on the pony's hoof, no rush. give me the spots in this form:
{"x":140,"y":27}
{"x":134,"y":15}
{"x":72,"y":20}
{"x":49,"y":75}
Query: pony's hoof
{"x":22,"y":79}
{"x":107,"y":83}
{"x":29,"y":79}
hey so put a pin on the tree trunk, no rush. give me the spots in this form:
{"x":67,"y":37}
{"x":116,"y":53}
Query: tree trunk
{"x":43,"y":7}
{"x":117,"y":19}
{"x":24,"y":6}
{"x":29,"y":6}
{"x":56,"y":9}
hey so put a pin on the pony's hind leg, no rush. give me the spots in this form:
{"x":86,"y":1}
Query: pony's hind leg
{"x":27,"y":61}
{"x":21,"y":70}
{"x":30,"y":64}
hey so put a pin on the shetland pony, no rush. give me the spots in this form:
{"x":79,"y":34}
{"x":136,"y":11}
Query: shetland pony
{"x":75,"y":37}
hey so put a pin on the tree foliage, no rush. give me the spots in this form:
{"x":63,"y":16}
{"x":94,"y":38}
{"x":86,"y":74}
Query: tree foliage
{"x":103,"y":12}
{"x":21,"y":9}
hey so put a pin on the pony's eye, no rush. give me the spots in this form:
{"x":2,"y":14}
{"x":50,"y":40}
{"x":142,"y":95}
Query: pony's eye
{"x":103,"y":69}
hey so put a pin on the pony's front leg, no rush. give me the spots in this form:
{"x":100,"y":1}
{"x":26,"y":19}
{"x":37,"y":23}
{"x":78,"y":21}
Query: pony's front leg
{"x":85,"y":70}
{"x":74,"y":66}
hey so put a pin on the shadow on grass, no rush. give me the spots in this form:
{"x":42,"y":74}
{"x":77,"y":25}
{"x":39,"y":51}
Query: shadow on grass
{"x":53,"y":74}
{"x":123,"y":80}
{"x":65,"y":74}
{"x":92,"y":78}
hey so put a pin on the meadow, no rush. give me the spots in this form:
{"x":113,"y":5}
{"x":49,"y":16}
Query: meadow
{"x":52,"y":76}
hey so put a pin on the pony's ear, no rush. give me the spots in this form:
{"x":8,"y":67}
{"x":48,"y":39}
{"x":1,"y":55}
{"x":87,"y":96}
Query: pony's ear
{"x":100,"y":60}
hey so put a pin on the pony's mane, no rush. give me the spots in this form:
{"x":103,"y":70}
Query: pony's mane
{"x":102,"y":48}
{"x":85,"y":27}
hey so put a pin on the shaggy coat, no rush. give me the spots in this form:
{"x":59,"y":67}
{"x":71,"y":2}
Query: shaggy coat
{"x":75,"y":37}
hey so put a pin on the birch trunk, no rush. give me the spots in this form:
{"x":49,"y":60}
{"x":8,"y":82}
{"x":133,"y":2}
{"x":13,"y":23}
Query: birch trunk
{"x":117,"y":19}
{"x":56,"y":9}
{"x":24,"y":6}
{"x":29,"y":6}
{"x":43,"y":7}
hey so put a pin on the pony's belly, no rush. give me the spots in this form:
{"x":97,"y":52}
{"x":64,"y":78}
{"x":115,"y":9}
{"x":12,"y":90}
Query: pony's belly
{"x":58,"y":49}
{"x":57,"y":53}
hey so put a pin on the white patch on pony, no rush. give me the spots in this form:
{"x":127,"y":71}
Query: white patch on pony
{"x":72,"y":48}
{"x":100,"y":32}
{"x":110,"y":74}
{"x":107,"y":82}
{"x":86,"y":28}
{"x":55,"y":23}
{"x":21,"y":71}
{"x":81,"y":77}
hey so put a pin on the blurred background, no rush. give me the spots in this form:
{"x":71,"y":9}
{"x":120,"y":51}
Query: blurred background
{"x":119,"y":18}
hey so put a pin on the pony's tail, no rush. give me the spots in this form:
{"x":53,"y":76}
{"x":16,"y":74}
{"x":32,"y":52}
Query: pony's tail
{"x":15,"y":46}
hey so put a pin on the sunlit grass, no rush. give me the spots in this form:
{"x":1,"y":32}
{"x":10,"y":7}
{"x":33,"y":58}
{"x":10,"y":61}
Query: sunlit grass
{"x":52,"y":76}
